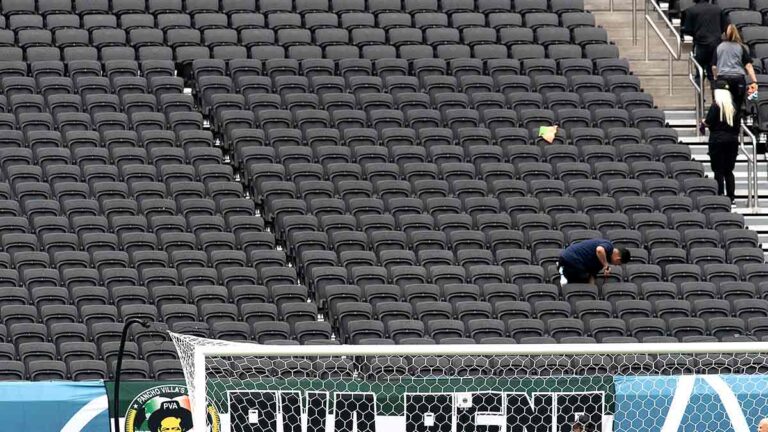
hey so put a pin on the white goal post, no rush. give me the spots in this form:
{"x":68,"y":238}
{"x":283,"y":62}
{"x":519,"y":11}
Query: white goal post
{"x":229,"y":364}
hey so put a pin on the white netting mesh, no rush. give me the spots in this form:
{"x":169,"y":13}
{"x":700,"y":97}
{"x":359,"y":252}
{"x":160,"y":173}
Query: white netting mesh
{"x":447,"y":393}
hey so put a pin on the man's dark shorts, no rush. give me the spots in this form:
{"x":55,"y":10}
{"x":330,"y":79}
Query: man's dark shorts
{"x":574,"y":274}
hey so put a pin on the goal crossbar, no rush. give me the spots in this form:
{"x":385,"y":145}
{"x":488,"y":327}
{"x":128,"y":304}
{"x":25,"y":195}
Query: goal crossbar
{"x":201,"y":352}
{"x":233,"y":349}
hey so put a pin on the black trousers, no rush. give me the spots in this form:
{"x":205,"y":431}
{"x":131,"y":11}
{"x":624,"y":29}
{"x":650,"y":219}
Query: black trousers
{"x":704,"y":55}
{"x":726,"y":184}
{"x":723,"y":160}
{"x":573,"y":273}
{"x":738,"y":88}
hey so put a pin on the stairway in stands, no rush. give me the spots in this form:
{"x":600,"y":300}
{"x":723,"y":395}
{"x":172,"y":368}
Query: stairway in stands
{"x":684,"y":122}
{"x":678,"y":106}
{"x":654,"y":74}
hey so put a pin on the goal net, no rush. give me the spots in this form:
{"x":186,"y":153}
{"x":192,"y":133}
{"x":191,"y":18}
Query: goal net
{"x":245,"y":387}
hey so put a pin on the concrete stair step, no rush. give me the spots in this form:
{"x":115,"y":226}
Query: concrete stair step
{"x":624,"y":40}
{"x":689,"y":136}
{"x":604,"y":5}
{"x":680,"y":98}
{"x":618,"y":19}
{"x":655,"y":67}
{"x":740,"y":169}
{"x":678,"y":115}
{"x":623,"y":29}
{"x":757,"y":221}
{"x":657,"y":81}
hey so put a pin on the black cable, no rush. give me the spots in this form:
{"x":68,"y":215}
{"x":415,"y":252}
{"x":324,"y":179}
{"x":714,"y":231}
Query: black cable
{"x":118,"y":368}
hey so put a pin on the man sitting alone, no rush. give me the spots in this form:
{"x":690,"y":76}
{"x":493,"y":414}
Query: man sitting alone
{"x":582,"y":262}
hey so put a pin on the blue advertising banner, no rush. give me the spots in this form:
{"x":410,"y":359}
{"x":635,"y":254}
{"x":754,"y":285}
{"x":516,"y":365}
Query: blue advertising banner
{"x":691,"y":403}
{"x":54,"y":406}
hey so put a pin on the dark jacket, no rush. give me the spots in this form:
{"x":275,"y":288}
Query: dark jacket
{"x":705,"y":23}
{"x":719,"y":130}
{"x":723,"y":146}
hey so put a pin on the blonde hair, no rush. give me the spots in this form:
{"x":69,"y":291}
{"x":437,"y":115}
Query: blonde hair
{"x":732,"y":35}
{"x":724,"y":101}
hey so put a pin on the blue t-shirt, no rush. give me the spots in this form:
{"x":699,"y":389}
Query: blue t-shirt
{"x":583,"y":255}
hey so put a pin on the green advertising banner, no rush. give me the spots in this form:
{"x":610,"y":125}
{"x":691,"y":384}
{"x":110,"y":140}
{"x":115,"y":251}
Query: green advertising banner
{"x":152,"y":406}
{"x":130,"y":390}
{"x":441,"y":404}
{"x":390,"y":394}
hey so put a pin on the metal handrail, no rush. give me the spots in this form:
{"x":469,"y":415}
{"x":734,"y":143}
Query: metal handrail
{"x":633,"y":12}
{"x":696,"y":76}
{"x":674,"y":52}
{"x":753,"y":199}
{"x":669,"y":24}
{"x":634,"y":22}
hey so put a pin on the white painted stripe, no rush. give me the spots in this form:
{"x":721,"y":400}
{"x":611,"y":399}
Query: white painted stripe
{"x":385,"y":423}
{"x":86,"y":414}
{"x":490,"y":419}
{"x":680,"y":400}
{"x":730,"y":402}
{"x":608,"y":423}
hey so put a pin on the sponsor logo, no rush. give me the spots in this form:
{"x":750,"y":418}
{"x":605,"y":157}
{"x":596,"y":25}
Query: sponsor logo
{"x":165,"y":408}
